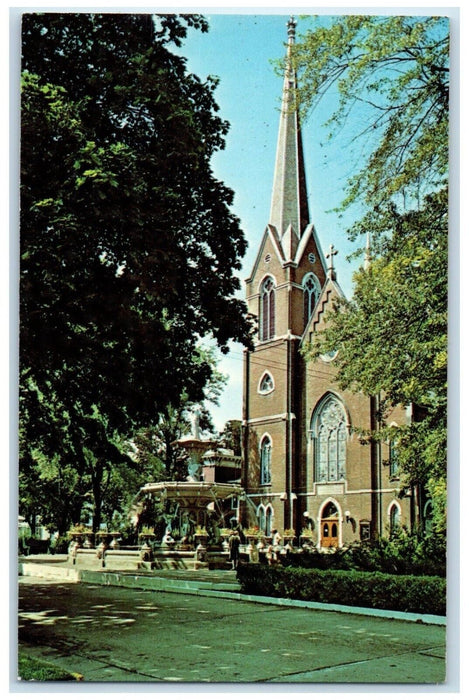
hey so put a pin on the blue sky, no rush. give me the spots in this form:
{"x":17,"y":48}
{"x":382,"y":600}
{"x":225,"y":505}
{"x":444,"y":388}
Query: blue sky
{"x":239,"y":49}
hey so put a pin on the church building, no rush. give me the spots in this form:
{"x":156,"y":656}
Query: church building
{"x":304,"y":464}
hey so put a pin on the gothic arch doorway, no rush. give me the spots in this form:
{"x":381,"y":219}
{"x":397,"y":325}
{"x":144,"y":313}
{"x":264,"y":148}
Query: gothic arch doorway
{"x":329,"y":526}
{"x":264,"y":518}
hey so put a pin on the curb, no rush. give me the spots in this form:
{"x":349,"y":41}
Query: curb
{"x":210,"y":589}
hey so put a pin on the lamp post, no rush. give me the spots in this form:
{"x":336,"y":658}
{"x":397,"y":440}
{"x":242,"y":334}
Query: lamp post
{"x":290,"y":498}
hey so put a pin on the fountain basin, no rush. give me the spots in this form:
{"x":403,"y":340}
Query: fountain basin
{"x":192,"y":494}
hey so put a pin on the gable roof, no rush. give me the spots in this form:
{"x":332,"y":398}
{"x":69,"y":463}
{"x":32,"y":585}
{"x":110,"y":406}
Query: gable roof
{"x":310,"y":232}
{"x":270,"y":234}
{"x":330,"y":291}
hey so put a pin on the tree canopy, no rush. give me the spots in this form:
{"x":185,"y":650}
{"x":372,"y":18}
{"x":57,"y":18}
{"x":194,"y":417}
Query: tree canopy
{"x":392,"y":335}
{"x":129,"y":250}
{"x":391,"y":76}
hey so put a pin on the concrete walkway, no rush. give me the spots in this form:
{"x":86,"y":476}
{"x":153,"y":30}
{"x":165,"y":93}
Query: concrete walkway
{"x":194,"y":627}
{"x":218,"y":583}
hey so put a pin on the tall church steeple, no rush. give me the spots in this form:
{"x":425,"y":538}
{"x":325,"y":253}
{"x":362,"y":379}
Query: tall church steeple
{"x":299,"y":455}
{"x":289,"y":198}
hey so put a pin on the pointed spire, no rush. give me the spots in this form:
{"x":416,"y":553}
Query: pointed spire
{"x":289,"y":198}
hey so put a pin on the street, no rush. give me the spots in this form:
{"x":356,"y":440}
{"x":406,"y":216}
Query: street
{"x":116,"y":634}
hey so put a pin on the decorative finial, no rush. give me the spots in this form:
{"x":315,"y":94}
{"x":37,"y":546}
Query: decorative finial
{"x":291,"y":27}
{"x":195,"y":421}
{"x":330,"y":255}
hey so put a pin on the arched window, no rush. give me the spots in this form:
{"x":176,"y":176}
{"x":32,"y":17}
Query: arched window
{"x":428,"y":517}
{"x":266,"y":457}
{"x":329,"y":432}
{"x":264,"y":518}
{"x":393,"y":463}
{"x":266,"y":385}
{"x":261,"y":517}
{"x":267,"y":310}
{"x":394,"y":518}
{"x":330,"y":511}
{"x":311,"y":289}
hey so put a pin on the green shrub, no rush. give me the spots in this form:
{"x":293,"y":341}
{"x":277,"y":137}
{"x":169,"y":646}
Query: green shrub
{"x":402,"y":554}
{"x":420,"y":594}
{"x":61,"y":545}
{"x":37,"y":546}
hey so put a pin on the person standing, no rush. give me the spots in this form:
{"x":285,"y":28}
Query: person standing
{"x":233,"y":545}
{"x":276,"y":539}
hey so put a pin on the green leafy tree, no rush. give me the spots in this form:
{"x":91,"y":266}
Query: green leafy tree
{"x":128,"y":247}
{"x":231,"y":437}
{"x":392,"y":335}
{"x":392,"y":342}
{"x":154,"y":445}
{"x":390,"y":75}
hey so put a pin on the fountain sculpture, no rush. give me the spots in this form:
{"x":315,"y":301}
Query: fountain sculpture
{"x":200,"y":500}
{"x":199,"y":506}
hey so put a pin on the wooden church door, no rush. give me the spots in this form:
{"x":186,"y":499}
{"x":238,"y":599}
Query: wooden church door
{"x":330,"y":526}
{"x":330,"y":532}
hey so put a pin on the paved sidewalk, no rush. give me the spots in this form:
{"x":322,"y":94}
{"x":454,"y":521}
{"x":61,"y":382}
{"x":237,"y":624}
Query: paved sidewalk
{"x":219,"y":583}
{"x":113,"y":634}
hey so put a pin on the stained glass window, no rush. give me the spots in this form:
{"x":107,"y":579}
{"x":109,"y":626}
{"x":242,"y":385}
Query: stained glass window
{"x":394,"y":519}
{"x":267,"y":384}
{"x":266,"y":456}
{"x":329,"y":431}
{"x":393,"y":463}
{"x":310,"y":295}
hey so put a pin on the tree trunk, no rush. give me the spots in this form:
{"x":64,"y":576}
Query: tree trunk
{"x":97,"y":496}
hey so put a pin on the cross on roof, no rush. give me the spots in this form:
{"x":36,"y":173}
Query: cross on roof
{"x":291,"y":27}
{"x":332,"y":251}
{"x":330,"y":255}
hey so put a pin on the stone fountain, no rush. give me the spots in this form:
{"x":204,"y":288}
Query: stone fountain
{"x":204,"y":501}
{"x":200,"y":496}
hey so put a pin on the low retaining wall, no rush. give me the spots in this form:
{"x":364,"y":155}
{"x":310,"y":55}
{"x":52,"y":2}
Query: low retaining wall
{"x":133,"y":560}
{"x":48,"y":571}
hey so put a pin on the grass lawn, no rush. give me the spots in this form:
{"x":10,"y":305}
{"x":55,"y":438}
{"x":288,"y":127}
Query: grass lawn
{"x":30,"y":669}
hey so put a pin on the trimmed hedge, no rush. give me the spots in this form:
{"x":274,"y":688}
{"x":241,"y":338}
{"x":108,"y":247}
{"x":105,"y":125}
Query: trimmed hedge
{"x":404,"y":556}
{"x":419,"y":594}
